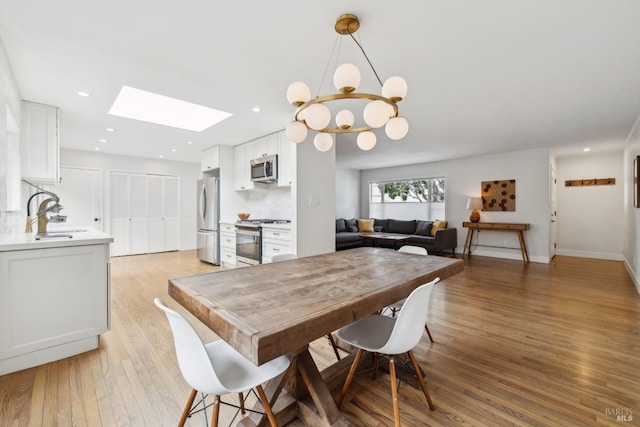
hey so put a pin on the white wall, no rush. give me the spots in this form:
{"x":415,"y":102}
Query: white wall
{"x":189,"y":173}
{"x":590,"y":218}
{"x":314,"y":200}
{"x":529,"y":168}
{"x":631,"y":240}
{"x":9,"y":106}
{"x":347,"y":193}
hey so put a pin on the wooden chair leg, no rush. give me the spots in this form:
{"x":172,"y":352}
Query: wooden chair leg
{"x":216,"y":411}
{"x":333,"y":344}
{"x":187,"y":408}
{"x":241,"y":399}
{"x":266,"y":406}
{"x":423,"y":385}
{"x":350,"y":376}
{"x":394,"y":391}
{"x":428,"y":332}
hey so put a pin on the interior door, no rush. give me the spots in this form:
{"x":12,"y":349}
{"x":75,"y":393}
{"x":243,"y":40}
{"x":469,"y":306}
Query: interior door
{"x":80,"y":192}
{"x":553,"y":212}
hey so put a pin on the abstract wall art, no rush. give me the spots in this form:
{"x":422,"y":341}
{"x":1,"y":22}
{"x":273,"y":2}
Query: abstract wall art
{"x":499,"y":195}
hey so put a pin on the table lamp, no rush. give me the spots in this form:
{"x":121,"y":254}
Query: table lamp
{"x":474,"y":203}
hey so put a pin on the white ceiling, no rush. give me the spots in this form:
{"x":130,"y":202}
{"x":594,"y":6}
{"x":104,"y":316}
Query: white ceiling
{"x":484,"y":75}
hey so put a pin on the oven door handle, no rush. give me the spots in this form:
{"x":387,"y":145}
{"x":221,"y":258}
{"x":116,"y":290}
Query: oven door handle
{"x":246,"y":232}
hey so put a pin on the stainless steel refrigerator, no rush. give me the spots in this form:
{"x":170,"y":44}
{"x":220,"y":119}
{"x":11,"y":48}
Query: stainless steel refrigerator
{"x":208,"y":229}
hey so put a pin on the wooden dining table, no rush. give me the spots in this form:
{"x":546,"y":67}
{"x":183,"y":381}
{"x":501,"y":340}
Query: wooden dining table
{"x":268,"y":310}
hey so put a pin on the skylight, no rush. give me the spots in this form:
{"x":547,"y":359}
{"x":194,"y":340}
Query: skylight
{"x":153,"y":108}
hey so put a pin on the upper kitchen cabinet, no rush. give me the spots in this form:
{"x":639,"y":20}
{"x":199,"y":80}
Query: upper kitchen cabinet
{"x":210,"y":159}
{"x":39,"y":143}
{"x":265,"y":146}
{"x":242,"y":156}
{"x":286,"y":154}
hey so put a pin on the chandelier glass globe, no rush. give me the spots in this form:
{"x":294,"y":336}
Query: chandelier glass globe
{"x":323,"y":141}
{"x":346,"y":78}
{"x":296,"y":132}
{"x":366,"y":140}
{"x":298,"y":93}
{"x":397,"y":128}
{"x":317,"y":116}
{"x":376,"y":113}
{"x":345,"y":119}
{"x":394,"y":88}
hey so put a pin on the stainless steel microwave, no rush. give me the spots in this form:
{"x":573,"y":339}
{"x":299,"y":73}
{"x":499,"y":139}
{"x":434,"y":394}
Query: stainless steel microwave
{"x":265,"y":169}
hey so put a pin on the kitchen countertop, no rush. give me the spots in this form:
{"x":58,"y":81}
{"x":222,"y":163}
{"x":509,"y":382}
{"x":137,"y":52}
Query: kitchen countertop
{"x":24,"y":241}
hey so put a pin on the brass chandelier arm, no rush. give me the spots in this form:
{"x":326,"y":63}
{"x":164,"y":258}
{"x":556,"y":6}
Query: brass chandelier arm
{"x":352,"y":95}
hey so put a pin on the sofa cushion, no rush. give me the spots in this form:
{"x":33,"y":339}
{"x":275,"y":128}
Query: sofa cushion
{"x":351,"y":224}
{"x":424,"y":228}
{"x":381,"y":225}
{"x":437,"y":225}
{"x":340,"y":225}
{"x":347,"y":237}
{"x":402,"y":227}
{"x":365,"y":225}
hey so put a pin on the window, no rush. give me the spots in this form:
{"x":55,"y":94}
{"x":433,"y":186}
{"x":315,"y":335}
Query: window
{"x":410,"y":199}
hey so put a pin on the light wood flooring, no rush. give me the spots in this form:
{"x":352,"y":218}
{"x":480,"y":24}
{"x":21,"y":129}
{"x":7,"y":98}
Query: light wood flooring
{"x":515,"y":344}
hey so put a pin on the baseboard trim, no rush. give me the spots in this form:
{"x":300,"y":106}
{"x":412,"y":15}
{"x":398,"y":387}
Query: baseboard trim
{"x":588,"y":254}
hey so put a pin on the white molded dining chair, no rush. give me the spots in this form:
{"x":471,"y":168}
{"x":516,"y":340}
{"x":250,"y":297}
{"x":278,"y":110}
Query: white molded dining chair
{"x":216,"y":368}
{"x":390,"y":336}
{"x":396,"y":306}
{"x":285,"y":257}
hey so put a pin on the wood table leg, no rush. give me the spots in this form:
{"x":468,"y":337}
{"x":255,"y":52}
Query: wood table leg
{"x":523,"y":246}
{"x":467,"y":242}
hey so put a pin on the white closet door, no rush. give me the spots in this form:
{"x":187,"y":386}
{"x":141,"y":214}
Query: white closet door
{"x":155,"y":204}
{"x":119,"y":213}
{"x":171,"y":213}
{"x":138,"y":213}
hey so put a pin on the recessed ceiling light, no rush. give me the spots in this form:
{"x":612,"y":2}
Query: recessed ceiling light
{"x":189,"y":142}
{"x":256,"y":109}
{"x":109,"y":129}
{"x":97,"y":148}
{"x":103,"y":140}
{"x":161,"y":156}
{"x":84,"y":94}
{"x":174,"y":150}
{"x":586,"y":149}
{"x":150,"y":107}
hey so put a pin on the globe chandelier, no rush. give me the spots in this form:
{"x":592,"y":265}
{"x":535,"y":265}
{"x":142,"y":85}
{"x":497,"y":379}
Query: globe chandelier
{"x":379,"y":111}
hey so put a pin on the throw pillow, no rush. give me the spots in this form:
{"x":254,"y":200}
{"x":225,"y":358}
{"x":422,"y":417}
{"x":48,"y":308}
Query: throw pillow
{"x":353,"y":228}
{"x":365,"y":225}
{"x":340,"y":226}
{"x":424,"y":228}
{"x":437,"y":225}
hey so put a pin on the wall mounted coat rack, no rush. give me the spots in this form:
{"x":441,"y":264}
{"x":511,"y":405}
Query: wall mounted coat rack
{"x":595,"y":181}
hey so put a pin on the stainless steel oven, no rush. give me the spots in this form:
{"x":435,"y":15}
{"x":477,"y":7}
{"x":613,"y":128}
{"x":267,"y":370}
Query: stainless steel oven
{"x":248,"y":244}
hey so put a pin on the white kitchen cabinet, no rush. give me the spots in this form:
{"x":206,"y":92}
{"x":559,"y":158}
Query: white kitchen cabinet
{"x":265,"y":146}
{"x":54,"y":302}
{"x":242,"y":156}
{"x":210,"y":159}
{"x":275,"y":241}
{"x":286,"y":154}
{"x":227,"y":244}
{"x":162,"y":213}
{"x":39,"y":143}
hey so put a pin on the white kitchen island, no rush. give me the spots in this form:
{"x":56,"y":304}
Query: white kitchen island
{"x":54,"y":296}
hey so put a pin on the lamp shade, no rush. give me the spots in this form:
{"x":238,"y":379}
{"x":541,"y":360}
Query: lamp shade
{"x":296,"y":132}
{"x":474,"y":203}
{"x":397,"y":128}
{"x":298,"y":93}
{"x":323,"y":141}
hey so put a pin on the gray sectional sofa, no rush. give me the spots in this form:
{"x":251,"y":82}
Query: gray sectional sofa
{"x":348,"y":235}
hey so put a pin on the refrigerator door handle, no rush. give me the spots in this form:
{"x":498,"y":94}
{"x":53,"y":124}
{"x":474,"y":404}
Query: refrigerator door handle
{"x":204,"y":202}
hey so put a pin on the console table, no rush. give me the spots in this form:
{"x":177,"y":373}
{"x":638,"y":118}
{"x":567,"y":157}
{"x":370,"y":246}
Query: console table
{"x":496,"y":226}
